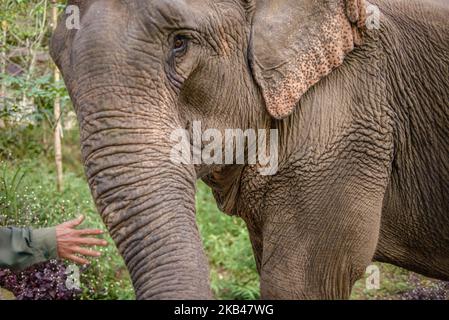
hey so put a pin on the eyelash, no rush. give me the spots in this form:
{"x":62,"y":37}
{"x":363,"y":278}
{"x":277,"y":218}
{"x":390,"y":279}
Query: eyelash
{"x":183,"y":43}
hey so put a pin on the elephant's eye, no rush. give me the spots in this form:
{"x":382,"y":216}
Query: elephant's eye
{"x":180,"y":44}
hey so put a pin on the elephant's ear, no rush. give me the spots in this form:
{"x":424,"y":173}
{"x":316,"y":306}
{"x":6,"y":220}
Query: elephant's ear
{"x":295,"y":43}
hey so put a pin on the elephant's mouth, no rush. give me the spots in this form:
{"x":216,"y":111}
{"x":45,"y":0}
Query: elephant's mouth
{"x":211,"y":150}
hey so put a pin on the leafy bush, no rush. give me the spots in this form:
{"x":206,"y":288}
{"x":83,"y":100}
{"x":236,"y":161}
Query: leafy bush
{"x":436,"y":291}
{"x":45,"y":281}
{"x":40,"y":93}
{"x":20,"y":142}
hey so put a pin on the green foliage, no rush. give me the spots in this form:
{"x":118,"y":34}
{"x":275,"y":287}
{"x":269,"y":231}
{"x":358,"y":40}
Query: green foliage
{"x":9,"y":194}
{"x":24,"y":19}
{"x":28,"y":93}
{"x":22,"y":141}
{"x":40,"y":90}
{"x":233,"y":269}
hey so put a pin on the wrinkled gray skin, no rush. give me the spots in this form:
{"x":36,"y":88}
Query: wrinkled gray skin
{"x":364,"y":143}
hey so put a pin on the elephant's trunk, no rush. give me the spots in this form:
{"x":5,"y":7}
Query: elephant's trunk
{"x":146,"y":201}
{"x":126,"y":116}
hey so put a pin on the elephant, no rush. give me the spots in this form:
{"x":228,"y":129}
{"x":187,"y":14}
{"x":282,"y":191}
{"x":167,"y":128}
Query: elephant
{"x":362,"y":116}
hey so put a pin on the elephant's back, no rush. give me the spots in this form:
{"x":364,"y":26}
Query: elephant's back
{"x":415,"y":221}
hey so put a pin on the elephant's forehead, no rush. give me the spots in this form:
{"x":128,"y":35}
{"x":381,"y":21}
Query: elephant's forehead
{"x":180,"y":13}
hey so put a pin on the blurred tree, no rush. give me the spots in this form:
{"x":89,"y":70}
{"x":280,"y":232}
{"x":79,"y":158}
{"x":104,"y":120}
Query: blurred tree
{"x":57,"y":111}
{"x":31,"y":92}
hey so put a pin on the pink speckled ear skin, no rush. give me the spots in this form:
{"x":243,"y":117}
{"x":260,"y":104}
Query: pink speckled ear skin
{"x":297,"y":43}
{"x":356,"y":11}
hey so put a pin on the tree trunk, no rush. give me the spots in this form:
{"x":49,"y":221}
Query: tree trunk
{"x":57,"y":112}
{"x":3,"y":71}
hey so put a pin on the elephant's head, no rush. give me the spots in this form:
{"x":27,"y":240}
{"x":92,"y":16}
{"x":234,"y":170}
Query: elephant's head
{"x":138,"y":69}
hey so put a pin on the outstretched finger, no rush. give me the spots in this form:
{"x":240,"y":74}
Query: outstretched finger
{"x":77,"y":259}
{"x":75,"y":222}
{"x":85,"y":232}
{"x":86,"y":252}
{"x":91,"y":242}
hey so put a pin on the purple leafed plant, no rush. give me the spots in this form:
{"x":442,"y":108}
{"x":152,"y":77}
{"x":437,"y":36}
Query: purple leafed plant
{"x":45,"y":281}
{"x":440,"y":291}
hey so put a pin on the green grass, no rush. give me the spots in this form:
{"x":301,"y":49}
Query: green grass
{"x":28,"y":197}
{"x":233,"y":269}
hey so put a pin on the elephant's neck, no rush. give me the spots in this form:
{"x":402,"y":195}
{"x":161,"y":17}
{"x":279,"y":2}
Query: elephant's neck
{"x":238,"y":190}
{"x":225,"y":184}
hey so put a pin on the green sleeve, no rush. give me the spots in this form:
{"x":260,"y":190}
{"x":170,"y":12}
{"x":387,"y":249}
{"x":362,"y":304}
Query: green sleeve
{"x":23,"y":247}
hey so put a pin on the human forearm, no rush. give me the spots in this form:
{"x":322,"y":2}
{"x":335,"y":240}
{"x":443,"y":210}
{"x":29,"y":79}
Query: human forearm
{"x":23,"y":247}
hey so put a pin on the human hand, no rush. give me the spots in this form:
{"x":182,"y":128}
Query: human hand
{"x":70,"y":240}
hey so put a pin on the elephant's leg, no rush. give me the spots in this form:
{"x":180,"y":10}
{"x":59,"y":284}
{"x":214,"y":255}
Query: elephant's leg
{"x":318,"y":243}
